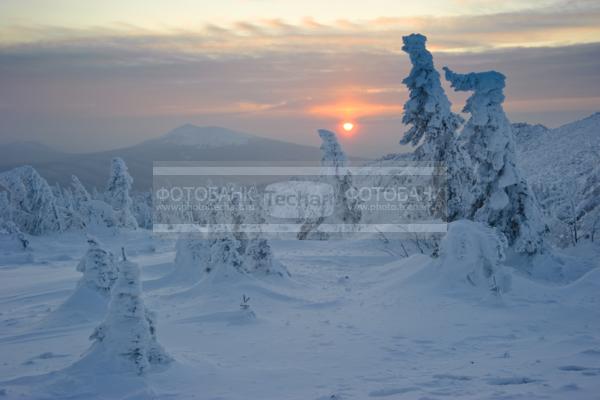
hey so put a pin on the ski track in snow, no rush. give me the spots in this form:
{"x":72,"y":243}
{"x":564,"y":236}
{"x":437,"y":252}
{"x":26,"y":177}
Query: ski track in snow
{"x":347,"y":325}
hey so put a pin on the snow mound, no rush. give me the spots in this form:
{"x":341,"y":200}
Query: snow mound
{"x":471,"y":257}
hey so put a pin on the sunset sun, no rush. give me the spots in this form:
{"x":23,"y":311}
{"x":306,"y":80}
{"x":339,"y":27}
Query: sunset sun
{"x":348,"y":126}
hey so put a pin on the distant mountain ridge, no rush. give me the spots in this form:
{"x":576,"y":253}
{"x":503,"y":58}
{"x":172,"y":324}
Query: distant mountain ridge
{"x":204,"y":137}
{"x":22,"y":152}
{"x":185,"y":143}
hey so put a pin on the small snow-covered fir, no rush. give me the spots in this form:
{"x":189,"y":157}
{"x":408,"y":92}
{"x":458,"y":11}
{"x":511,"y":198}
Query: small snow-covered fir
{"x":127,"y":339}
{"x":99,"y":267}
{"x":117,"y":193}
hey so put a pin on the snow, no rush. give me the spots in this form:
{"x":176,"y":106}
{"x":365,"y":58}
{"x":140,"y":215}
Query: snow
{"x":479,"y":313}
{"x":562,"y":166}
{"x":502,"y":196}
{"x":433,"y":132}
{"x":354,"y":321}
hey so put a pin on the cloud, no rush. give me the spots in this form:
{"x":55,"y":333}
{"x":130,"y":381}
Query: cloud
{"x":556,"y":25}
{"x":282,"y":79}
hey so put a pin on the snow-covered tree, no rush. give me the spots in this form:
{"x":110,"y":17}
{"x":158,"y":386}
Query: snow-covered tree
{"x":117,"y":193}
{"x":99,"y":267}
{"x":503,"y":198}
{"x":127,"y":337}
{"x":192,"y":259}
{"x":345,"y":208}
{"x":225,"y":257}
{"x":11,"y":237}
{"x":33,"y":206}
{"x":259,"y":258}
{"x":5,"y":212}
{"x":93,"y":211}
{"x":588,"y":207}
{"x":332,"y":155}
{"x":142,"y":209}
{"x":80,"y":193}
{"x":433,"y":131}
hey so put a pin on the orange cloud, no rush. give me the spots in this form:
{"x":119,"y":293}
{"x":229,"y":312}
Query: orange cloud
{"x":354,"y":109}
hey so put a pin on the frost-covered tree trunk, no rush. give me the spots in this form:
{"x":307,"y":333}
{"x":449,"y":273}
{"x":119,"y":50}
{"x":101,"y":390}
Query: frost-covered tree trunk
{"x":99,"y":268}
{"x":433,"y":131}
{"x":117,"y":193}
{"x":503,"y":199}
{"x":33,"y":205}
{"x":126,"y":339}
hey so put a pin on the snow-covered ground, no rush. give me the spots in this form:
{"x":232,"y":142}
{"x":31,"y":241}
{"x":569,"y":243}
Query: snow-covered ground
{"x":354,"y":321}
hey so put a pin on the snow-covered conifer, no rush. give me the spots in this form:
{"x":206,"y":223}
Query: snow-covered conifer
{"x":11,"y":237}
{"x":99,"y":267}
{"x":80,"y":193}
{"x":503,"y":198}
{"x":127,"y":336}
{"x":259,"y":258}
{"x":332,"y":155}
{"x":192,"y":259}
{"x":224,"y":255}
{"x":33,"y":205}
{"x":93,"y":211}
{"x":433,"y":130}
{"x":346,"y":209}
{"x":142,"y":209}
{"x":117,"y":193}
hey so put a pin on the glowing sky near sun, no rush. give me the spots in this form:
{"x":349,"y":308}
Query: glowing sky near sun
{"x":84,"y":75}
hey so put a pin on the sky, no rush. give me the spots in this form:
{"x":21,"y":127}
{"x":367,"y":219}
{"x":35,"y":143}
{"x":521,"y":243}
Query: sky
{"x":86,"y":76}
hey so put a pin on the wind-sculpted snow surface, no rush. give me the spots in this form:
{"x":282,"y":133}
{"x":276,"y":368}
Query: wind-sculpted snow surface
{"x":345,"y":326}
{"x":433,"y":129}
{"x":503,"y":198}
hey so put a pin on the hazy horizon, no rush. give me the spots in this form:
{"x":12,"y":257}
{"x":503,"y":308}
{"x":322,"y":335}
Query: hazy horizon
{"x":78,"y":78}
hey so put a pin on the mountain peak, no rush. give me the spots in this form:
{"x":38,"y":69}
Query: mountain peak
{"x":205,"y":136}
